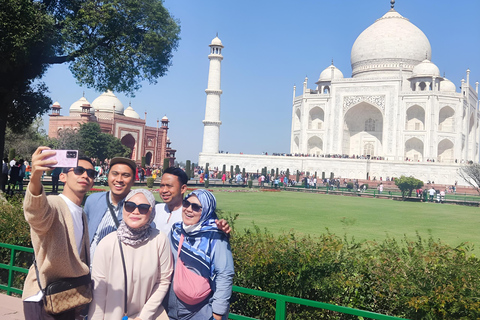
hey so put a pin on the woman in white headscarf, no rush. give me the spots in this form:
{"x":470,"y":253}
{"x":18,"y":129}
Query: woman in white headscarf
{"x":132,"y":267}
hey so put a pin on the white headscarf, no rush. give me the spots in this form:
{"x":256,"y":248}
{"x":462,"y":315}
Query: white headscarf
{"x":134,"y":236}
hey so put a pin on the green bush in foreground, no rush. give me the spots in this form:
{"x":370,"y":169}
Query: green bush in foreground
{"x":409,"y":279}
{"x":150,"y":182}
{"x":14,"y":230}
{"x":13,"y":227}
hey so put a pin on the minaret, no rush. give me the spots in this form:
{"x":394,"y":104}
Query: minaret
{"x":211,"y":129}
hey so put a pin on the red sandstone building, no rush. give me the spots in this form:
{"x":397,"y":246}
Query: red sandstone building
{"x":108,"y":111}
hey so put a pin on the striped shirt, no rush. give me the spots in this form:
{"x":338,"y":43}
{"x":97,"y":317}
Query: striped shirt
{"x":106,"y":226}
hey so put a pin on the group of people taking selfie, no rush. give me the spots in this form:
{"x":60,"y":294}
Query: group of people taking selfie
{"x":123,"y":256}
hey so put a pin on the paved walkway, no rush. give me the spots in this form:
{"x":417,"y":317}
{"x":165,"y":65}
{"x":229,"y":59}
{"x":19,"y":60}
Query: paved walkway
{"x":11,"y":308}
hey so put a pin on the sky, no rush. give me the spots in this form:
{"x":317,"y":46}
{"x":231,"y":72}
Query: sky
{"x":270,"y":46}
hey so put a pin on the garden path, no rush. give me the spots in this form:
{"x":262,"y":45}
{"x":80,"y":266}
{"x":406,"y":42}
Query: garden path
{"x":11,"y":308}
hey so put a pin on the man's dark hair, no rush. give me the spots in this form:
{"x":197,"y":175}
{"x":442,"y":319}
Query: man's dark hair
{"x":5,"y":159}
{"x":86,"y":159}
{"x":65,"y":170}
{"x":182,"y":176}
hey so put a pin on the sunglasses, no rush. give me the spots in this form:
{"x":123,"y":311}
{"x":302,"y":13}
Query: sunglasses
{"x":131,"y":206}
{"x":195,"y":207}
{"x":80,"y":170}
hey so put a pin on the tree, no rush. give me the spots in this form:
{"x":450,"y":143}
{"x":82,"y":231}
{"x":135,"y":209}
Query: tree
{"x":91,"y":141}
{"x":188,"y":168}
{"x":471,"y":174}
{"x":407,"y":185}
{"x":111,"y":44}
{"x":166,"y":164}
{"x":179,"y":164}
{"x":26,"y":143}
{"x":207,"y":173}
{"x":96,"y":144}
{"x":68,"y":139}
{"x":11,"y":153}
{"x":113,"y":148}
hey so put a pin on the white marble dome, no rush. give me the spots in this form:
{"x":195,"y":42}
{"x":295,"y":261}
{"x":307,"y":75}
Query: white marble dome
{"x":326,"y":74}
{"x":426,"y":68}
{"x":389,"y":41}
{"x":447,"y":86}
{"x":165,"y":118}
{"x":77,"y":105}
{"x":106,"y":101}
{"x":129,"y":112}
{"x":216,"y":42}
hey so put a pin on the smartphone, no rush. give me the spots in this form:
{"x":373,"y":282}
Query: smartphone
{"x":65,"y":158}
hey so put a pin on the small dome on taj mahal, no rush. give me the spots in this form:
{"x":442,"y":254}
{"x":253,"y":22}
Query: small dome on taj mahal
{"x":330,"y":73}
{"x":447,"y":86}
{"x":426,"y":68}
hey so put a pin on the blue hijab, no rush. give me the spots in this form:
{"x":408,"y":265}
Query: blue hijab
{"x":199,"y":245}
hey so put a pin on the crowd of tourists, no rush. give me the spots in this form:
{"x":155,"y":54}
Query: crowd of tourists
{"x":123,"y":256}
{"x":336,"y":156}
{"x":13,"y":174}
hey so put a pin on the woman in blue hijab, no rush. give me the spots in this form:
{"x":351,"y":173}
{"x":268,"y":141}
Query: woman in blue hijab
{"x":203,"y":274}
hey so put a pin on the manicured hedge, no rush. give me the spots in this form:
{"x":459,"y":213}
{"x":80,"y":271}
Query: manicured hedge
{"x":413,"y":279}
{"x":14,"y":230}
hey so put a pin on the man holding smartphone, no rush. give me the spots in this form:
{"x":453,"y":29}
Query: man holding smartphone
{"x":58,"y":228}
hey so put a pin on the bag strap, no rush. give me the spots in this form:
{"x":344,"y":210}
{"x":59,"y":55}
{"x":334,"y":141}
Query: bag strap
{"x":112,"y":211}
{"x":38,"y":275}
{"x":117,"y":224}
{"x":125,"y":281}
{"x":180,"y":243}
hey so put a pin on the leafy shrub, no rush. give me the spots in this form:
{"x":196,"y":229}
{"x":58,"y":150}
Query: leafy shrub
{"x":13,"y":227}
{"x":14,"y":230}
{"x":409,"y":279}
{"x":350,"y":185}
{"x":407,"y":185}
{"x":150,"y":182}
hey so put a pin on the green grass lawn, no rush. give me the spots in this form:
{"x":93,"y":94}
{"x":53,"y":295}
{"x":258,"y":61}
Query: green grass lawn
{"x":361,"y":218}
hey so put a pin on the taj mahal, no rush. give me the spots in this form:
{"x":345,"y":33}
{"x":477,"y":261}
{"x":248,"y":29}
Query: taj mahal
{"x":396,"y":114}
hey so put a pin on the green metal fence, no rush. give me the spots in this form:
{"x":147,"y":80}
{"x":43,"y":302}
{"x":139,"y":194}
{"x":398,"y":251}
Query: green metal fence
{"x":11,"y":267}
{"x":281,"y":300}
{"x":281,"y":306}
